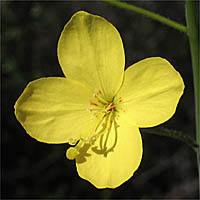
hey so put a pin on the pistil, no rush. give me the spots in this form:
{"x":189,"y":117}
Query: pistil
{"x":106,"y":111}
{"x":73,"y":152}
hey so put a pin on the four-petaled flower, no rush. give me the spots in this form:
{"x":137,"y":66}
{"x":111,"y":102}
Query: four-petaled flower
{"x":98,"y":107}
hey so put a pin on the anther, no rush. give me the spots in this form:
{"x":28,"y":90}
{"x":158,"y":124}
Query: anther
{"x":110,"y":107}
{"x":88,"y":109}
{"x":93,"y":104}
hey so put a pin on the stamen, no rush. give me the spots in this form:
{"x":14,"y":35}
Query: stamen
{"x":89,"y":109}
{"x":99,"y":92}
{"x":92,"y":138}
{"x":106,"y":111}
{"x":109,"y":107}
{"x":100,"y":99}
{"x":115,"y":141}
{"x":93,"y":104}
{"x":120,"y":99}
{"x":109,"y":128}
{"x":111,"y":123}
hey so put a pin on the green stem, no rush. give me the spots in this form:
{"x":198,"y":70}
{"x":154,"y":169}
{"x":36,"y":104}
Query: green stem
{"x":178,"y":135}
{"x":192,"y":29}
{"x":149,"y":14}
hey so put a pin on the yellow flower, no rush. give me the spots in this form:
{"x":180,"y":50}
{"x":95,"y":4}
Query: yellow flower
{"x":98,"y":106}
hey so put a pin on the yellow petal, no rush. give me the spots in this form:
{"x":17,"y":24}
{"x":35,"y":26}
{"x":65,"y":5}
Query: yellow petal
{"x":54,"y":110}
{"x":150,"y":92}
{"x":90,"y":50}
{"x":112,"y":168}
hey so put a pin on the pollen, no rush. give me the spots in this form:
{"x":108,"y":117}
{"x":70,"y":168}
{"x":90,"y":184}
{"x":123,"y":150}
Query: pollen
{"x":100,"y":105}
{"x":94,"y":104}
{"x":110,"y":106}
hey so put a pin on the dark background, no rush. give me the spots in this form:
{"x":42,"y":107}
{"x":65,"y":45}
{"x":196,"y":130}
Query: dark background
{"x":29,"y":36}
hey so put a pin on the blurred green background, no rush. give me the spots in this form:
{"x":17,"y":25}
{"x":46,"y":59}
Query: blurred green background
{"x":29,"y":36}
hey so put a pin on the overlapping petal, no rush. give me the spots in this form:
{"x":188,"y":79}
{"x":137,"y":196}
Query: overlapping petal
{"x":54,"y":110}
{"x":150,"y":92}
{"x":91,"y":51}
{"x":111,"y":169}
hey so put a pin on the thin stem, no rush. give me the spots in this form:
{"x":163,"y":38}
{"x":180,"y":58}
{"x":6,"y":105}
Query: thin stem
{"x":178,"y":135}
{"x":149,"y":14}
{"x":192,"y":29}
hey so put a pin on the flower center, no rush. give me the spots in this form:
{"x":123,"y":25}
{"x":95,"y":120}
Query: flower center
{"x":100,"y":105}
{"x":106,"y":112}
